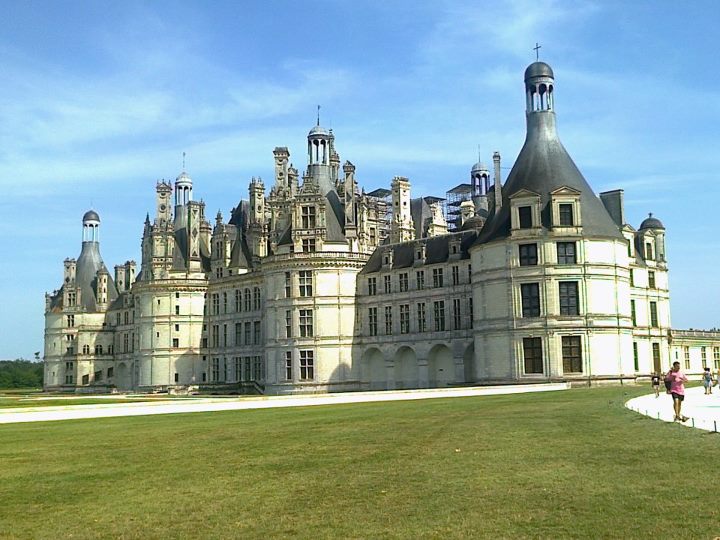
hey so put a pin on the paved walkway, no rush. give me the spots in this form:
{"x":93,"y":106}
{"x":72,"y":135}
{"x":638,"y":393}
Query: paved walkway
{"x":74,"y":412}
{"x":703,"y":411}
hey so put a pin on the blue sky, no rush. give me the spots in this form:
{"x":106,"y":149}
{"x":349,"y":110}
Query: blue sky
{"x":98,"y":100}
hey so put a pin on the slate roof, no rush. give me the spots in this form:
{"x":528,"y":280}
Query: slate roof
{"x":88,"y":264}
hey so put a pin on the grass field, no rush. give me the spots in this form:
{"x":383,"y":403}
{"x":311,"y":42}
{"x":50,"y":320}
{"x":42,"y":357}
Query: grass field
{"x":560,"y":464}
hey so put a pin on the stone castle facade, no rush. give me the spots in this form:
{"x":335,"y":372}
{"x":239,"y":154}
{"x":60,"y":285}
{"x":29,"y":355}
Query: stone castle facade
{"x":314,"y":285}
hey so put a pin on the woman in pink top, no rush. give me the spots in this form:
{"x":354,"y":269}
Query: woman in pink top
{"x":677,"y":381}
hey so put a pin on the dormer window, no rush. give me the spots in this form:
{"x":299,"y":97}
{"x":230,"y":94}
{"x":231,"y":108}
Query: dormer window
{"x":308,"y":220}
{"x":420,"y":254}
{"x":566,"y":215}
{"x":648,"y":251}
{"x":525,"y":217}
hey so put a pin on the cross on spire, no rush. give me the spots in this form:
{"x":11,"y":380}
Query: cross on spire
{"x":183,"y":161}
{"x":537,"y":48}
{"x":318,"y":115}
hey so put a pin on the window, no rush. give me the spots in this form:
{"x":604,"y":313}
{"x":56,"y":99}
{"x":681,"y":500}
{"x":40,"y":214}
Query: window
{"x":71,"y":320}
{"x":388,"y":320}
{"x":215,"y":335}
{"x":248,"y":368}
{"x":456,"y":275}
{"x":372,"y":286}
{"x":176,"y":342}
{"x":98,"y":349}
{"x":177,"y":327}
{"x":238,"y":334}
{"x":388,"y":284}
{"x":566,"y":215}
{"x":288,"y":285}
{"x":288,"y":323}
{"x":648,"y":251}
{"x":247,"y":332}
{"x":71,"y":298}
{"x":127,"y":317}
{"x":86,"y":349}
{"x":306,"y":283}
{"x":110,"y":372}
{"x":405,"y":318}
{"x":126,"y":342}
{"x":532,"y":353}
{"x":656,"y":355}
{"x":470,"y":312}
{"x":525,"y":217}
{"x":177,"y":377}
{"x":633,"y":312}
{"x":256,"y":299}
{"x":566,"y":253}
{"x":528,"y":254}
{"x":469,"y":273}
{"x":69,"y":371}
{"x":716,"y":357}
{"x":651,"y":279}
{"x":653,"y":315}
{"x":306,"y":323}
{"x":288,"y":365}
{"x":403,"y":282}
{"x":308,"y":245}
{"x":86,"y":379}
{"x":703,"y":356}
{"x":372,"y":321}
{"x":215,"y":374}
{"x":439,"y":311}
{"x":530,"y":294}
{"x":437,"y":277}
{"x":632,"y":278}
{"x":636,"y":357}
{"x":225,"y":302}
{"x":422,"y":321}
{"x":568,"y":298}
{"x":457,"y":321}
{"x":308,"y":217}
{"x":307,"y":368}
{"x":215,"y":304}
{"x":420,"y":280}
{"x":256,"y":333}
{"x":572,"y":354}
{"x":247,"y":301}
{"x":225,"y":334}
{"x":687,"y":357}
{"x":177,"y":310}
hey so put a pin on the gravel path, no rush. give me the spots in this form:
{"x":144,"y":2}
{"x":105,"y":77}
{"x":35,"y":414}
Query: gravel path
{"x":703,"y":411}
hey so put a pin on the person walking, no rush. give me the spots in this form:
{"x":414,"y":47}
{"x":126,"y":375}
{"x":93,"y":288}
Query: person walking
{"x":656,"y":383}
{"x":677,"y":380}
{"x":707,"y":379}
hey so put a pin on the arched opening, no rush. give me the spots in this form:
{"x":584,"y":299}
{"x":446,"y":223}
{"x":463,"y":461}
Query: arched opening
{"x":441,"y":367}
{"x":122,"y":377}
{"x":469,"y":363}
{"x":406,"y":371}
{"x":372,"y":369}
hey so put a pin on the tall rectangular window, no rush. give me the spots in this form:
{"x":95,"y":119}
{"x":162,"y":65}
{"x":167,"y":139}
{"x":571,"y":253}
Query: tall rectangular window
{"x":247,"y":300}
{"x":471,"y":313}
{"x":288,"y":323}
{"x":469,"y":273}
{"x":633,"y":312}
{"x":215,"y":304}
{"x":306,"y":283}
{"x":404,"y":318}
{"x":238,"y":301}
{"x":215,"y":335}
{"x":306,"y":323}
{"x":225,"y":335}
{"x":237,"y":363}
{"x":238,"y":334}
{"x":288,"y":365}
{"x":651,"y":279}
{"x":532,"y":353}
{"x":457,"y":320}
{"x":215,"y":373}
{"x":716,"y":357}
{"x":288,"y":285}
{"x":403,"y":281}
{"x":372,"y":321}
{"x":247,"y":362}
{"x":420,"y":280}
{"x":703,"y":356}
{"x":528,"y":254}
{"x":248,"y":332}
{"x":525,"y":217}
{"x":648,"y":251}
{"x":387,"y":280}
{"x":308,"y":217}
{"x":566,"y":215}
{"x":656,"y":356}
{"x":456,"y":275}
{"x":653,"y":315}
{"x":568,"y":298}
{"x":225,"y":302}
{"x":439,"y":312}
{"x":307,"y":366}
{"x":632,"y":277}
{"x":308,"y":245}
{"x":421,"y":317}
{"x":257,"y":300}
{"x":372,"y":286}
{"x":530,"y":294}
{"x":388,"y":320}
{"x":572,"y":354}
{"x":636,"y":356}
{"x":566,"y":253}
{"x":257,"y":337}
{"x":437,"y":277}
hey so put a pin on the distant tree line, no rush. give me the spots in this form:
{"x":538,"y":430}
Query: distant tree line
{"x":21,"y":374}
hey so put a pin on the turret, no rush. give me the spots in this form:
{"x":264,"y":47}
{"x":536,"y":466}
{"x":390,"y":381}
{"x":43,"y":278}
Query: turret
{"x":183,"y":189}
{"x":163,"y":212}
{"x":282,"y":160}
{"x":320,"y":141}
{"x":402,"y":228}
{"x":350,"y":201}
{"x":497,"y":192}
{"x":91,"y":226}
{"x":101,"y":289}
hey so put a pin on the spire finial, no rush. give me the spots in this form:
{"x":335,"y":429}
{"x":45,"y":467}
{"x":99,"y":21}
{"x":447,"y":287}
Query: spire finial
{"x":183,"y":162}
{"x":537,"y":48}
{"x":649,"y":214}
{"x":479,"y":160}
{"x":318,"y":115}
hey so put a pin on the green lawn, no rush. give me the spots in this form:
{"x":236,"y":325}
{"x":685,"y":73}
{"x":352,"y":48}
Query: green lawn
{"x":561,"y":464}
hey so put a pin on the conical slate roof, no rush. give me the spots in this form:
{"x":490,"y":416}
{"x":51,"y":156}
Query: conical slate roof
{"x":542,"y":167}
{"x":88,"y":264}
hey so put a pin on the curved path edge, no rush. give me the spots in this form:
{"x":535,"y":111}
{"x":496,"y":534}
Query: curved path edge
{"x":703,"y":411}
